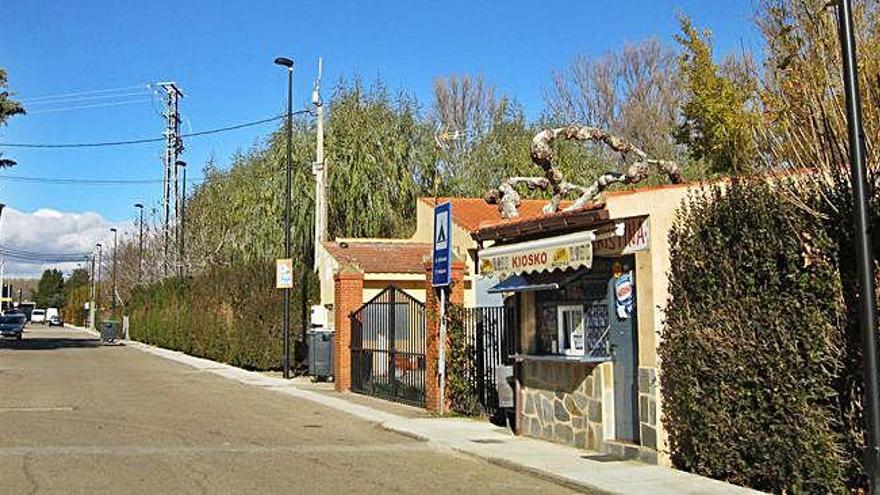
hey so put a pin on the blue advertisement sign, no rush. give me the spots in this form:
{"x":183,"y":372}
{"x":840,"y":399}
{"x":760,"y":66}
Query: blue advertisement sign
{"x":442,"y":256}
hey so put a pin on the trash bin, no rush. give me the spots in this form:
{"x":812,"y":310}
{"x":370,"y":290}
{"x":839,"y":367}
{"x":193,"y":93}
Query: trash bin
{"x":321,"y":353}
{"x":109,"y":331}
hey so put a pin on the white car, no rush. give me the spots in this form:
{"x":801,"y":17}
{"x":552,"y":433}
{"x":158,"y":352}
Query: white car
{"x":38,"y":316}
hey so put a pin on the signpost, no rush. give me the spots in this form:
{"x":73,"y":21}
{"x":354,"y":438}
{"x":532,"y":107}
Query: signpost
{"x":441,"y":277}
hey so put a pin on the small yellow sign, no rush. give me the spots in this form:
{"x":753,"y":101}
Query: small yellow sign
{"x":284,"y":273}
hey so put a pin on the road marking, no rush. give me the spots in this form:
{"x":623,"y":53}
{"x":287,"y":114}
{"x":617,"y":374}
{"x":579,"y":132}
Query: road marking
{"x":36,"y":409}
{"x":219,"y":449}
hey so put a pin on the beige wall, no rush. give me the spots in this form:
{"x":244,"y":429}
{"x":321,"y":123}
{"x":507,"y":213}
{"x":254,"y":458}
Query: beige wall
{"x":652,"y":289}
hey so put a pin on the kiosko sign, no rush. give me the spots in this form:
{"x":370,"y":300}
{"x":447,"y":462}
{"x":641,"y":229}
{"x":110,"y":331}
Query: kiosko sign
{"x":561,"y":252}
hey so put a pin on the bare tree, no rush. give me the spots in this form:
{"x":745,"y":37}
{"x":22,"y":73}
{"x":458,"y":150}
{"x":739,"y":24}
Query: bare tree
{"x":630,"y":92}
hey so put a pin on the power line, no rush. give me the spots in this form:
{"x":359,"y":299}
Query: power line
{"x":148,"y":140}
{"x":80,"y":93}
{"x":5,"y":249}
{"x":88,"y":99}
{"x":94,"y":182}
{"x":139,"y":100}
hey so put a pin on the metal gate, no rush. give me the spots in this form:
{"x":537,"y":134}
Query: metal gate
{"x":388,"y":348}
{"x":489,"y":332}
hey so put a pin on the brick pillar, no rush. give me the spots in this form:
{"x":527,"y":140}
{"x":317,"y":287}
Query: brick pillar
{"x":348,"y":297}
{"x":432,"y":330}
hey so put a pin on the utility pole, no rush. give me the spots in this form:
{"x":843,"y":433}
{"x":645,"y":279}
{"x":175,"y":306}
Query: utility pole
{"x":319,"y":169}
{"x":181,"y":221}
{"x":113,"y":296}
{"x":173,"y":148}
{"x":864,"y":251}
{"x":140,"y":272}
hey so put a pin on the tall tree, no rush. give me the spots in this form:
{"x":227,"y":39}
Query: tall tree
{"x":8,"y":108}
{"x":631,"y":92}
{"x":717,"y":118}
{"x":804,"y":118}
{"x":50,"y":290}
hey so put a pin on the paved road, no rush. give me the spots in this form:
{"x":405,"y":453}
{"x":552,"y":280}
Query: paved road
{"x":79,"y":418}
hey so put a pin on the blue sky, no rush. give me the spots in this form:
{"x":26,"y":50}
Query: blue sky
{"x":221,"y":54}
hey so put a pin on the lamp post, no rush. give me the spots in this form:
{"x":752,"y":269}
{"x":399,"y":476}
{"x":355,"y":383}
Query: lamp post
{"x":92,"y":293}
{"x":286,"y":62}
{"x":140,"y":207}
{"x":181,"y":228}
{"x":113,"y":295}
{"x":98,"y":278}
{"x":864,"y":251}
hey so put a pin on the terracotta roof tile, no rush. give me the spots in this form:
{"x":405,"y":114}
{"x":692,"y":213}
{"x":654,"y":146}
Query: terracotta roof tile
{"x":471,"y":213}
{"x":381,"y":257}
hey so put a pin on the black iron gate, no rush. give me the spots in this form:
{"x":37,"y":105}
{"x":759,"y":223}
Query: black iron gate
{"x":490,"y":339}
{"x":388,"y":348}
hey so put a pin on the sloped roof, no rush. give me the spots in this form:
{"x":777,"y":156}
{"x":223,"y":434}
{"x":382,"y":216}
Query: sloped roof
{"x":471,"y":213}
{"x":381,"y":257}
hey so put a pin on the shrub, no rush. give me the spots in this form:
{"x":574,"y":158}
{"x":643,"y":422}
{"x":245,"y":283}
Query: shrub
{"x":759,"y":384}
{"x":229,"y":314}
{"x":460,"y":365}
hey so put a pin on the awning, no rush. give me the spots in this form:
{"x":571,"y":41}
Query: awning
{"x":518,"y":283}
{"x":570,"y":251}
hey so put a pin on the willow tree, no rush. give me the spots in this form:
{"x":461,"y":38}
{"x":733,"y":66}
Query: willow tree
{"x":377,"y":148}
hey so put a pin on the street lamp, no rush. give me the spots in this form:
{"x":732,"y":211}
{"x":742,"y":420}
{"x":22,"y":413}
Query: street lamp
{"x":113,"y":295}
{"x":864,"y":251}
{"x":286,"y":62}
{"x":182,"y":227}
{"x":98,"y":278}
{"x":140,"y":207}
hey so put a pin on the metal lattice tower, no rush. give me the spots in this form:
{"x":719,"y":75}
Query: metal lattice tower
{"x":170,"y":182}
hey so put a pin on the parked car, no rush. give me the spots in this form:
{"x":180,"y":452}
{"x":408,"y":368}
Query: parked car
{"x":50,"y":312}
{"x":38,"y":316}
{"x":12,"y":326}
{"x":56,"y":321}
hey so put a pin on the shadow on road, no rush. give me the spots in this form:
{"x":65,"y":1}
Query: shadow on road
{"x":48,"y":343}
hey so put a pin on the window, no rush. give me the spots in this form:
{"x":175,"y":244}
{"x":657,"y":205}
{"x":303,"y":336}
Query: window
{"x":570,"y":327}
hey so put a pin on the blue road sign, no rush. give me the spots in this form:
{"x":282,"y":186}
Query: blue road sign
{"x":442,"y":273}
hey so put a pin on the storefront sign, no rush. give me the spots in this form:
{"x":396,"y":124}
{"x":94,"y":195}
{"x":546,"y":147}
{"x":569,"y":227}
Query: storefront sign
{"x":636,"y":237}
{"x":560,"y":252}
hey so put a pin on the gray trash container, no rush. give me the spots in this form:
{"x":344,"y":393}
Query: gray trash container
{"x":321,"y":353}
{"x":109,"y":331}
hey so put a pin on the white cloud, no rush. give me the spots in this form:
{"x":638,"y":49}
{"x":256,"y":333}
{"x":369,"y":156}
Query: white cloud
{"x":51,"y":231}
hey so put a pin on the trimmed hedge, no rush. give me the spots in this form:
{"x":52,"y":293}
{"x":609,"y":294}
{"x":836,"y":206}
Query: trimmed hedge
{"x":230,"y":314}
{"x":761,"y":374}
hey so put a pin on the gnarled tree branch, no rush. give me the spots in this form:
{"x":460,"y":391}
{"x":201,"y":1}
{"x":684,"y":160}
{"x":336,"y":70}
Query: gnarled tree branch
{"x":508,"y":199}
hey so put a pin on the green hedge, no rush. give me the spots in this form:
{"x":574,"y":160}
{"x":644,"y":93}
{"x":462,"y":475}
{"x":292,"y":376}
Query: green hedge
{"x":230,"y":314}
{"x":760,"y":378}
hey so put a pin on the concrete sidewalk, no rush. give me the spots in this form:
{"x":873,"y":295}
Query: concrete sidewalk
{"x":572,"y":467}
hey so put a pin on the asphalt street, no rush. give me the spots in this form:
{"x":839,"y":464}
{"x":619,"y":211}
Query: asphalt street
{"x":76,"y":417}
